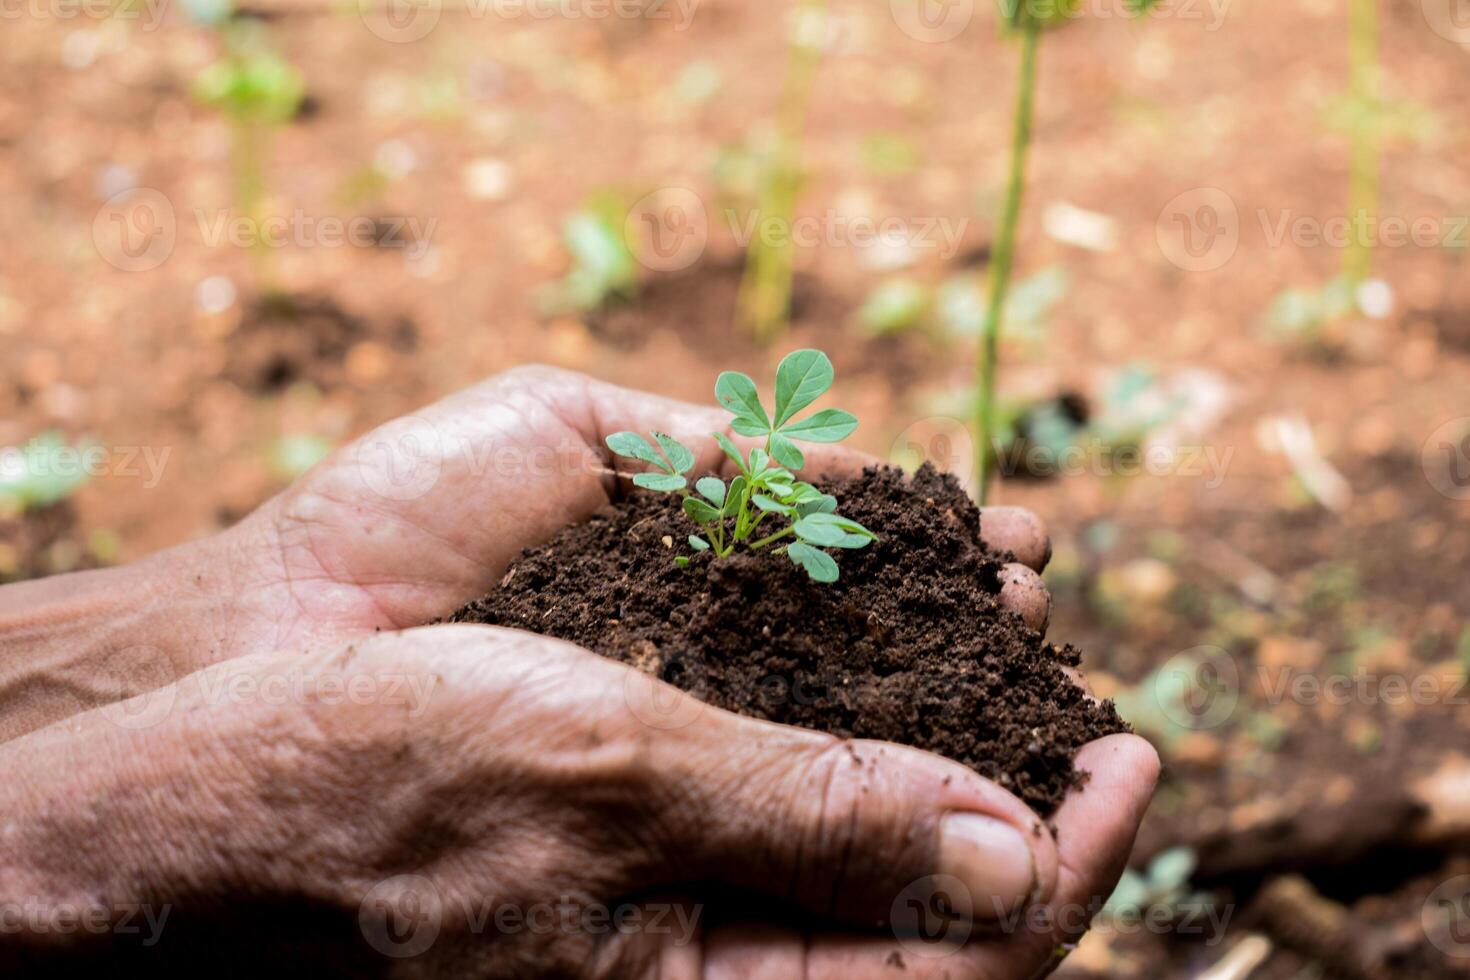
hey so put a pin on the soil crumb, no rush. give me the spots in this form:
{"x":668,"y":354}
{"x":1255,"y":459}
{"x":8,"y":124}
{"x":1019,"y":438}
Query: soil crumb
{"x":911,"y":645}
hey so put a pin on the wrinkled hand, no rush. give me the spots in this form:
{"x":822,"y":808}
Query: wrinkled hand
{"x":535,"y":770}
{"x":426,"y":512}
{"x":489,"y":803}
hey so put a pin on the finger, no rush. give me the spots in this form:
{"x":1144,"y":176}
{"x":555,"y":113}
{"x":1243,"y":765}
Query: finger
{"x":1080,"y":679}
{"x":1095,"y":830}
{"x":842,"y":827}
{"x":1023,"y":592}
{"x":1017,"y":530}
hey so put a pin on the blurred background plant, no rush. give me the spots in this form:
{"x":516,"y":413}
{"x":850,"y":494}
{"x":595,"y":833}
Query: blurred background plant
{"x":764,"y":306}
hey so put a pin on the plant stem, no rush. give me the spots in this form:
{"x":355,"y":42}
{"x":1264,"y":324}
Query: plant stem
{"x":1357,"y":260}
{"x":1002,"y":258}
{"x":764,"y":304}
{"x":789,"y":529}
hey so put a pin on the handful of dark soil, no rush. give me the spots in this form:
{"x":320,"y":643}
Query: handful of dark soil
{"x":911,"y":645}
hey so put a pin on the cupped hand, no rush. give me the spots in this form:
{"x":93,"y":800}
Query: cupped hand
{"x":476,"y":802}
{"x":426,"y":512}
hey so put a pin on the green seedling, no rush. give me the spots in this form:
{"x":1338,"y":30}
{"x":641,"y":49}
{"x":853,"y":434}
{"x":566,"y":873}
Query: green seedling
{"x":764,"y":303}
{"x":1028,"y":19}
{"x":258,"y":92}
{"x":732,"y":516}
{"x":31,"y":477}
{"x":604,"y":269}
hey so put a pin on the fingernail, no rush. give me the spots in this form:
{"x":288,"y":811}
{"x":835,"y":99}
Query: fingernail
{"x":991,"y":857}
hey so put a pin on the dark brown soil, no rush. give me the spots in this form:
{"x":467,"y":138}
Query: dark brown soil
{"x":285,"y":338}
{"x":699,"y":305}
{"x":911,"y":645}
{"x":43,"y":541}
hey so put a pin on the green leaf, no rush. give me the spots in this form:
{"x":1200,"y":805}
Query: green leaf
{"x":801,"y":377}
{"x":831,"y":531}
{"x":778,"y":480}
{"x":766,"y":503}
{"x":700,"y":511}
{"x":758,"y":461}
{"x":698,"y":543}
{"x":818,"y":564}
{"x":731,"y":450}
{"x":828,"y":425}
{"x":733,"y":499}
{"x":838,"y":521}
{"x":712,"y":488}
{"x":737,"y":393}
{"x":745,"y":426}
{"x":634,"y":446}
{"x":681,"y":562}
{"x":786,"y":452}
{"x":662,"y":482}
{"x":682,"y":458}
{"x":824,"y":504}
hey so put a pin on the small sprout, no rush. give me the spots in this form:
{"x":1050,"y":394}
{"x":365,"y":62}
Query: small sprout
{"x":730,"y":516}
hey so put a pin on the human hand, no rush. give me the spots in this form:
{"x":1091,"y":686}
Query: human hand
{"x":397,"y":528}
{"x":474,"y":771}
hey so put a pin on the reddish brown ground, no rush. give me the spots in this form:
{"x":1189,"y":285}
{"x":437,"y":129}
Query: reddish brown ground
{"x":1130,"y":116}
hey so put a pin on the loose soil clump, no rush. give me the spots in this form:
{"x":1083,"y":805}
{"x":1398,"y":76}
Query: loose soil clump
{"x":911,"y":645}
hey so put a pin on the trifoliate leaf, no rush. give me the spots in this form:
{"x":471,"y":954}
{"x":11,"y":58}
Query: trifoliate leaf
{"x":786,"y":452}
{"x":801,"y":377}
{"x":700,"y":511}
{"x":737,"y":393}
{"x":682,"y":458}
{"x":712,"y":488}
{"x":698,"y":543}
{"x":818,"y":564}
{"x":634,"y":446}
{"x":828,"y":425}
{"x":662,"y":482}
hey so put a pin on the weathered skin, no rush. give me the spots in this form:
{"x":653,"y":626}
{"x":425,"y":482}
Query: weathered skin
{"x":246,"y":730}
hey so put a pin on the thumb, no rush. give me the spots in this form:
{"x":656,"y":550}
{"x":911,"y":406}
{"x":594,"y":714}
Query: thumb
{"x":845,"y":829}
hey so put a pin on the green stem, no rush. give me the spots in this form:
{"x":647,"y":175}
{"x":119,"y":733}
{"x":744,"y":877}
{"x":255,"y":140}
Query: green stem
{"x":764,"y":303}
{"x":1357,"y":261}
{"x":755,"y":545}
{"x":1004,"y":253}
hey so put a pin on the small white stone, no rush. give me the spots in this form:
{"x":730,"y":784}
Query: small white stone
{"x":215,"y":294}
{"x":1375,"y":299}
{"x":395,"y":159}
{"x":488,"y":179}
